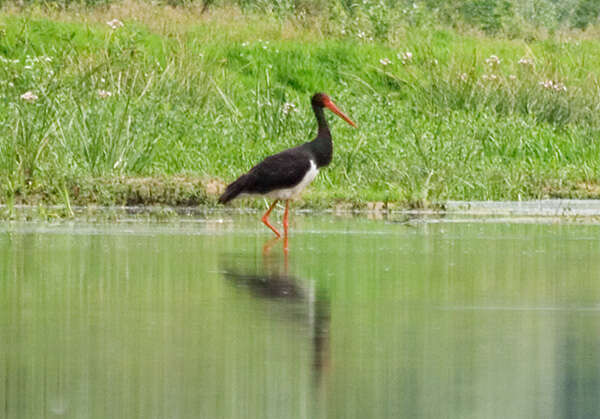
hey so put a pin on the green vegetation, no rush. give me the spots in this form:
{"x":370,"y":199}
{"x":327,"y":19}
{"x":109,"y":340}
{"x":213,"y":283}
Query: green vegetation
{"x":178,"y":101}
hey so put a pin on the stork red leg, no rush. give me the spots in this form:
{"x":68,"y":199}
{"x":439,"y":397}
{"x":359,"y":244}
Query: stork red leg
{"x":265,"y":218}
{"x":285,"y":218}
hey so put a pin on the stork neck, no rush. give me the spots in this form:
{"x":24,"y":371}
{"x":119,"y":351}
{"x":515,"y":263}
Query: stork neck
{"x":322,"y":147}
{"x":323,"y":126}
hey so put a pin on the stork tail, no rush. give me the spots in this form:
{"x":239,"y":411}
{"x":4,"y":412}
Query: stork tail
{"x":234,"y":189}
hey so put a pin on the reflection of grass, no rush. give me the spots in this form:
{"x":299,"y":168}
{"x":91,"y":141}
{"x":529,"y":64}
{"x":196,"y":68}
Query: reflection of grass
{"x":123,"y":115}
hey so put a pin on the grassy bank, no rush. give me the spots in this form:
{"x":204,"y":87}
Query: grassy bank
{"x":175,"y":103}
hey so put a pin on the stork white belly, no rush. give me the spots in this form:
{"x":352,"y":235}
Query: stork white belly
{"x":290,"y":193}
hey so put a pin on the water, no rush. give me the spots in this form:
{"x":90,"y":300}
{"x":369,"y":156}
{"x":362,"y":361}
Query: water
{"x":196,"y":318}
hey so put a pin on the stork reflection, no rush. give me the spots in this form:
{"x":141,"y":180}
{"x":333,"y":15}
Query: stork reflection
{"x":300,"y":301}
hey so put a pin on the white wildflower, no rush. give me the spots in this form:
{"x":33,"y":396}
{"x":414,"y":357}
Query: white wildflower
{"x":28,"y":67}
{"x":29,"y":96}
{"x":361,"y":35}
{"x":104,"y":93}
{"x":115,"y":23}
{"x":493,"y":60}
{"x":512,"y":77}
{"x":526,"y":61}
{"x":405,"y":57}
{"x":553,"y":85}
{"x":288,"y":107}
{"x":489,"y":77}
{"x":385,"y":61}
{"x":463,"y":77}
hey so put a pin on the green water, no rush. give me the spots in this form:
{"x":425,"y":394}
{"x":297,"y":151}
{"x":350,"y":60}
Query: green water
{"x":362,"y":319}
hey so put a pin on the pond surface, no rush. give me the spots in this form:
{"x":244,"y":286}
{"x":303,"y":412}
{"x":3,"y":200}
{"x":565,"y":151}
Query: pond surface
{"x":197,"y":318}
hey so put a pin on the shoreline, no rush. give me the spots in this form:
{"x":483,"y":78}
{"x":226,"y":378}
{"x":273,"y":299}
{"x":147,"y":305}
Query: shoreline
{"x":543,"y":210}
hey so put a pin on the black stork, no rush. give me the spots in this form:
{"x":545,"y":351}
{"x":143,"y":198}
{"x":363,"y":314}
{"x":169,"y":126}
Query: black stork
{"x":284,"y":175}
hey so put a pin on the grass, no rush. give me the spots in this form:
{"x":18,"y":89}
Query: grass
{"x":176,"y":103}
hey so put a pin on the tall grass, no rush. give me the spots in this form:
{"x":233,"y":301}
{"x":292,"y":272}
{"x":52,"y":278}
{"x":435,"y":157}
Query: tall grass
{"x":177,"y":95}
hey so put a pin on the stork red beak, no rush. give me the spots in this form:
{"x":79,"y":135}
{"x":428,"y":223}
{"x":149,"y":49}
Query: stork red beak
{"x":329,"y":104}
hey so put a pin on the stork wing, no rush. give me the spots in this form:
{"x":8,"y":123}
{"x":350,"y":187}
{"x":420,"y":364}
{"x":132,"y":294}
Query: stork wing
{"x":279,"y":171}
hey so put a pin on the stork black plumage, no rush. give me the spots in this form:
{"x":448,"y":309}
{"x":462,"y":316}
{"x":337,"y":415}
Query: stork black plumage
{"x":284,"y":175}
